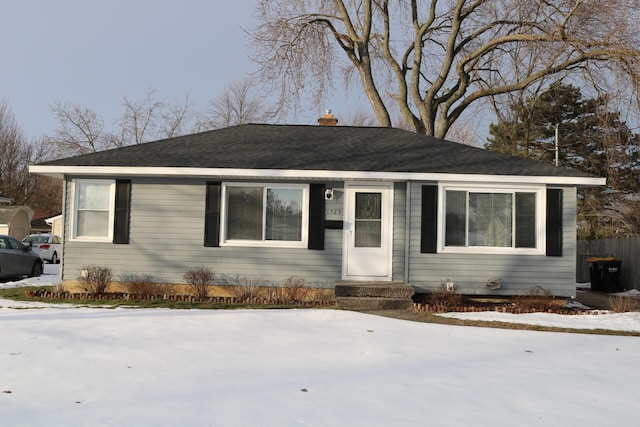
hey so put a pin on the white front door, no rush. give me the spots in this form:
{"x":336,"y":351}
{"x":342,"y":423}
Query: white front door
{"x":368,"y":231}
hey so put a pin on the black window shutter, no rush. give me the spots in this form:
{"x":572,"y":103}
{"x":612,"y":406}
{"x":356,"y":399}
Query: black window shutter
{"x":316,"y":216}
{"x":212,"y":214}
{"x":122,"y":212}
{"x":429,"y":219}
{"x":554,"y":222}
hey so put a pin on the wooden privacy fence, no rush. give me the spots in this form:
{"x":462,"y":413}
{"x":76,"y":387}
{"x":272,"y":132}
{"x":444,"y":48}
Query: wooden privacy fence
{"x":625,"y":249}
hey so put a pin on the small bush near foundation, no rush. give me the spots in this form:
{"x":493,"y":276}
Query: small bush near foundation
{"x":536,"y":298}
{"x":445,"y":300}
{"x":247,"y":289}
{"x":95,"y":278}
{"x":622,"y":304}
{"x":295,"y":289}
{"x":141,"y":285}
{"x":199,"y":281}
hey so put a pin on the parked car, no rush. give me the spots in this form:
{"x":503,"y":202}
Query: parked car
{"x":46,"y":245}
{"x":18,"y":259}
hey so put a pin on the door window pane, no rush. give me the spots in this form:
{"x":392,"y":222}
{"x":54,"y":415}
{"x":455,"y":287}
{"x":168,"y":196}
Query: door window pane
{"x":368,"y":220}
{"x":368,"y":206}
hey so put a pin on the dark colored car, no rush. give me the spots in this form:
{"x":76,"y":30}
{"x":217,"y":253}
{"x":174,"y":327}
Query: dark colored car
{"x":17,"y":259}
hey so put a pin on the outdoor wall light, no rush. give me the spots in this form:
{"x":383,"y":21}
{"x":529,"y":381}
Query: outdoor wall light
{"x":328,"y":194}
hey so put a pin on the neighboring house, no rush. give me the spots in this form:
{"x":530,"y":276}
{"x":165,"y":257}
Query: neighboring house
{"x":325,"y":203}
{"x":40,"y":222}
{"x":55,"y":224}
{"x":15,"y":221}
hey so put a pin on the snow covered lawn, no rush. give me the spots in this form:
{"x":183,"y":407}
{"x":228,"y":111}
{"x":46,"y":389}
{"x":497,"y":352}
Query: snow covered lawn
{"x":159,"y":367}
{"x":68,"y":366}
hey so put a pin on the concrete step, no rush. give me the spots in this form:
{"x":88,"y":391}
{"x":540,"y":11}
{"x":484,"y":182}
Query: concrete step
{"x":373,"y":295}
{"x":374,"y":289}
{"x":376,"y":303}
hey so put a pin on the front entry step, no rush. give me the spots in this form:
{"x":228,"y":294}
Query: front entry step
{"x":373,"y":295}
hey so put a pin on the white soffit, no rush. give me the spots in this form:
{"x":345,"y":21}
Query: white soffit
{"x":114,"y":171}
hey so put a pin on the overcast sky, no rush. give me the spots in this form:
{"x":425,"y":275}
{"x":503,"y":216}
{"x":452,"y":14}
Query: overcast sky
{"x":96,"y":53}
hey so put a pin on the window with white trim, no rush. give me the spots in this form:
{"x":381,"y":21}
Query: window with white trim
{"x":265,"y":214}
{"x":92,"y":210}
{"x":503,"y":219}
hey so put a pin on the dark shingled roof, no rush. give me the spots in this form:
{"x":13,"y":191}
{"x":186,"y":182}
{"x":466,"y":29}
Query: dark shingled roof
{"x":300,"y":147}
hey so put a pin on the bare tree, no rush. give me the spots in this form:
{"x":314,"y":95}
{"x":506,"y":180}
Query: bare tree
{"x":16,"y":153}
{"x":359,"y":118}
{"x":82,"y":131}
{"x":151,"y":119}
{"x":238,"y":104}
{"x":432,"y":59}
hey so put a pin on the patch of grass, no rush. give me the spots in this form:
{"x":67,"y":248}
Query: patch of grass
{"x":19,"y":294}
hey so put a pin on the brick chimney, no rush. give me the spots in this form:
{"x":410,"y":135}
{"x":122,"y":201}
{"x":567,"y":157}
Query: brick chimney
{"x":327,"y":119}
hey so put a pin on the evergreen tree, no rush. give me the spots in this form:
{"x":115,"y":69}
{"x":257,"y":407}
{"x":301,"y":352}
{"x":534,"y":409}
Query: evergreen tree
{"x":592,"y":139}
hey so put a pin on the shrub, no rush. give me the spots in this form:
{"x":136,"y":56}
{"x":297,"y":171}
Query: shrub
{"x":536,"y":298}
{"x":141,"y":285}
{"x":622,"y":304}
{"x":294,"y":290}
{"x":199,"y":281}
{"x":95,"y":278}
{"x":247,"y":289}
{"x":444,"y":300}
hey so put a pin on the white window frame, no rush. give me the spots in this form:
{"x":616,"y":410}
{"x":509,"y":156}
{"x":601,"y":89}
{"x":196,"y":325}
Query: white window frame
{"x":304,"y":232}
{"x":541,"y":209}
{"x":73,"y":222}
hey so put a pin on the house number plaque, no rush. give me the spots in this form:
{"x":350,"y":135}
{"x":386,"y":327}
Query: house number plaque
{"x":333,"y":214}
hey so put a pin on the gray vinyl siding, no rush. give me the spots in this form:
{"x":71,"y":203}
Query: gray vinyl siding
{"x":519,"y":273}
{"x":166,"y":240}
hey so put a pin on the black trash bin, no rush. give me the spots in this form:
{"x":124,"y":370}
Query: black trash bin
{"x":605,"y":274}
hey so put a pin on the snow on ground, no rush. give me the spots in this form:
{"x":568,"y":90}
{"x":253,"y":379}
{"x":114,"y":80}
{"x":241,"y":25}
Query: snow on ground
{"x":50,"y":277}
{"x":161,"y":367}
{"x":601,"y":320}
{"x":64,"y":365}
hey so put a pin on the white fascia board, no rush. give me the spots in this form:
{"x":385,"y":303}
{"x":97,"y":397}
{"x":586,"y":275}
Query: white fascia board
{"x":184,"y":172}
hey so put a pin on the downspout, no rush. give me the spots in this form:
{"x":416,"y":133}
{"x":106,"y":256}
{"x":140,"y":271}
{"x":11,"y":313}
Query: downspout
{"x":407,"y":231}
{"x":63,"y":232}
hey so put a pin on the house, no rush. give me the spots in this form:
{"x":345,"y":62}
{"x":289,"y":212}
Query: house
{"x":40,"y":223}
{"x":15,"y":221}
{"x":326,"y":203}
{"x":55,"y":224}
